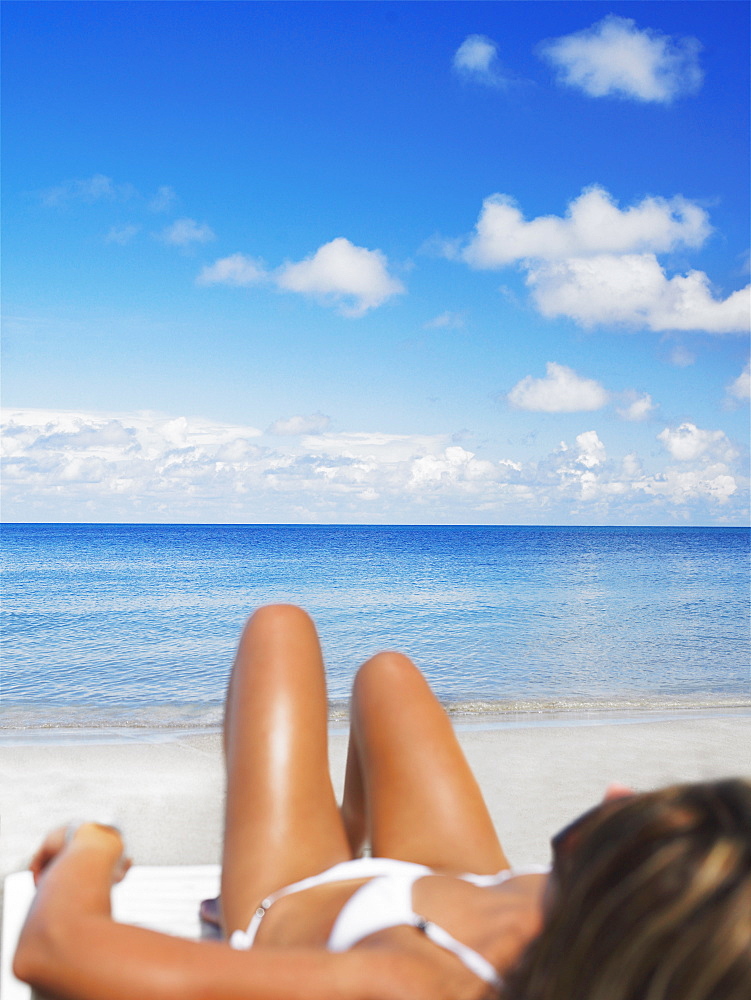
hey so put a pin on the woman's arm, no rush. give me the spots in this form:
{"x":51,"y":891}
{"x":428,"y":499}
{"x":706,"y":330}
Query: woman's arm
{"x":71,"y":949}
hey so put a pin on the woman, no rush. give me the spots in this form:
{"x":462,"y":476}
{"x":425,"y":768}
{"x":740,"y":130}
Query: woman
{"x":303,"y":918}
{"x":650,"y":899}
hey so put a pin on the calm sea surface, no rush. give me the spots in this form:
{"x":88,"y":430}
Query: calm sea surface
{"x":135,"y":625}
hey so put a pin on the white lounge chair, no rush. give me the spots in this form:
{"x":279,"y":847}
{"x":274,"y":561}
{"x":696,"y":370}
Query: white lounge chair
{"x":162,"y":898}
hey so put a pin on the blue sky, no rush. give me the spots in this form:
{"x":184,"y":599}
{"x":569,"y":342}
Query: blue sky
{"x":376,"y":262}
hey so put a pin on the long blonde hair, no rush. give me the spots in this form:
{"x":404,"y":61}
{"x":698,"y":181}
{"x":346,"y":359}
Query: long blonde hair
{"x":650,"y":900}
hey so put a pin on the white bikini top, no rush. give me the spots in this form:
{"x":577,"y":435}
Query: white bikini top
{"x":386,"y":901}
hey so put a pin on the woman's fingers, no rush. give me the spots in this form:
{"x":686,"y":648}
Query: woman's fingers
{"x":55,"y":842}
{"x":121,"y":869}
{"x":51,"y":846}
{"x":616,"y":790}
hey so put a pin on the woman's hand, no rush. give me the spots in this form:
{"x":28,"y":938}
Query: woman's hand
{"x":57,"y":840}
{"x":51,"y":846}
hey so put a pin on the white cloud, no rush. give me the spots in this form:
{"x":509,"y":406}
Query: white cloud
{"x":236,"y":269}
{"x":593,"y":224}
{"x":183,"y":232}
{"x":164,"y":198}
{"x":591,"y":449}
{"x":454,"y":464}
{"x":682,"y":357}
{"x":88,"y":190}
{"x":376,"y":446}
{"x":354,"y":278}
{"x":681,"y":486}
{"x":103,"y":455}
{"x":740,"y":388}
{"x":578,"y":474}
{"x":446,"y":321}
{"x":560,"y":391}
{"x":315,"y":423}
{"x":639,"y":407}
{"x":614,"y":57}
{"x":703,"y":479}
{"x":475,"y":54}
{"x":122,"y":234}
{"x":688,"y":443}
{"x":597,"y":264}
{"x":97,"y":466}
{"x":631,"y":466}
{"x":477,"y":60}
{"x":99,"y":187}
{"x":633,"y":289}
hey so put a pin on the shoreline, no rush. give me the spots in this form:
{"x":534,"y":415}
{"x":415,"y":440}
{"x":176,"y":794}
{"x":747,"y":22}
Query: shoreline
{"x":466,"y":717}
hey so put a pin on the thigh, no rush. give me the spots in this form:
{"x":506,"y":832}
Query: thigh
{"x":422,"y":802}
{"x":282,"y":822}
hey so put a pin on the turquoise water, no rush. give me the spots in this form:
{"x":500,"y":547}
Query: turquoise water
{"x":135,"y":624}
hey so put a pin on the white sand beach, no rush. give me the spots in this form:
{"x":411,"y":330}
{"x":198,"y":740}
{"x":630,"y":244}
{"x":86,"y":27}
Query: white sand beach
{"x":167,"y":795}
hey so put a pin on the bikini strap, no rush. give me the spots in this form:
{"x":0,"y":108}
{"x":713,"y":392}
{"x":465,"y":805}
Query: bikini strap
{"x":505,"y":875}
{"x":472,"y":959}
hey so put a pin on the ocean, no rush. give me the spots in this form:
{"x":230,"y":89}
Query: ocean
{"x":132,"y":626}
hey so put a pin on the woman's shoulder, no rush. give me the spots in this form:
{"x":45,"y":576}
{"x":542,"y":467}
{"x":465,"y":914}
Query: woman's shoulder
{"x":498,"y":921}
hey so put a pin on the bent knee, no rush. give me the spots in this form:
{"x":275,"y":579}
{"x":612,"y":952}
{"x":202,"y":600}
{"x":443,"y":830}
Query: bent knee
{"x":270,"y":617}
{"x":387,"y":667}
{"x":275,"y":624}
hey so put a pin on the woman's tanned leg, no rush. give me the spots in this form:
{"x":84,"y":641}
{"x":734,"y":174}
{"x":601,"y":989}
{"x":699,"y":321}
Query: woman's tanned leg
{"x":282,"y":822}
{"x":421,"y":800}
{"x":354,"y":802}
